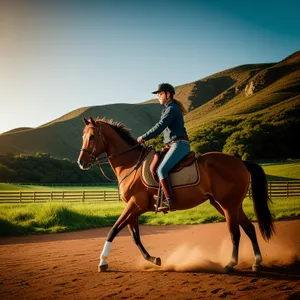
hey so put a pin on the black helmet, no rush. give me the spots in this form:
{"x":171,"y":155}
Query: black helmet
{"x":165,"y":87}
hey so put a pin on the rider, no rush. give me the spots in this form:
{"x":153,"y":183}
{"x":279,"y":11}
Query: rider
{"x":175,"y":137}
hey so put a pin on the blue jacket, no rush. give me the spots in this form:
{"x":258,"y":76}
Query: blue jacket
{"x":171,"y":123}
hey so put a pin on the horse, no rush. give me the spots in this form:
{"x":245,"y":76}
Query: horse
{"x":225,"y":181}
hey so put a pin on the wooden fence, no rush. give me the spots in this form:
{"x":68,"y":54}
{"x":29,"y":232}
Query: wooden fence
{"x":276,"y":189}
{"x":283,"y":189}
{"x":58,"y":196}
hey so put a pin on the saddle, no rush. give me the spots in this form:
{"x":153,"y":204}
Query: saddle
{"x":185,"y":174}
{"x":158,"y":157}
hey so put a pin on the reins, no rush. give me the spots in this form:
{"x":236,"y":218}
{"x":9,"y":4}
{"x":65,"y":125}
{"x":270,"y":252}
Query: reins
{"x":123,"y":152}
{"x":99,"y":161}
{"x":137,"y":165}
{"x":142,"y":156}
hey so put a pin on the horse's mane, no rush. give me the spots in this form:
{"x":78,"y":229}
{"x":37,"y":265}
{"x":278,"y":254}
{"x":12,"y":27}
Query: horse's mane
{"x":120,"y":129}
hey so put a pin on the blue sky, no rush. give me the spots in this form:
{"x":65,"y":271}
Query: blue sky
{"x":64,"y":55}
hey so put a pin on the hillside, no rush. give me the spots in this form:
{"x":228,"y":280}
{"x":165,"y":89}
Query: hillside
{"x":239,"y":105}
{"x":17,"y":130}
{"x":253,"y":89}
{"x":62,"y":137}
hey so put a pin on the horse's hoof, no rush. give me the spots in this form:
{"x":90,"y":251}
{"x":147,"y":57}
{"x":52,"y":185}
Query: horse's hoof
{"x":157,"y":261}
{"x":102,"y":268}
{"x":256,"y":268}
{"x":229,"y":269}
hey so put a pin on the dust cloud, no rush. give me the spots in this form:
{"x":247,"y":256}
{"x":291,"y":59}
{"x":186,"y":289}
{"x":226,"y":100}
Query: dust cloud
{"x":213,"y":257}
{"x":192,"y":259}
{"x":187,"y":258}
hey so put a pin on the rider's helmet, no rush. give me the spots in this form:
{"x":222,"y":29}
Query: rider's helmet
{"x":165,"y":87}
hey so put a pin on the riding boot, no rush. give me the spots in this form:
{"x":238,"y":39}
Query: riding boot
{"x":167,"y":189}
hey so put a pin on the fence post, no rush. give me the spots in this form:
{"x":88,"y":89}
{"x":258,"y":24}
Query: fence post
{"x":287,"y":188}
{"x":20,"y":197}
{"x":83,"y":196}
{"x":34,"y":196}
{"x":270,"y":189}
{"x":104,"y":195}
{"x":51,"y":197}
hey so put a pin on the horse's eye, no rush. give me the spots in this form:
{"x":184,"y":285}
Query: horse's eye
{"x":91,"y":137}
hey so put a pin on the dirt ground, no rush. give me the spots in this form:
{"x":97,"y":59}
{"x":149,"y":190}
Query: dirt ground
{"x":64,"y":266}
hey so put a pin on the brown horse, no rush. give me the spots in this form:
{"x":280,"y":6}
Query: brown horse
{"x":224,"y":182}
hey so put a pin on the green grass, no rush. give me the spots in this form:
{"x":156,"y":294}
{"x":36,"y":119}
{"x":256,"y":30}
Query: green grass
{"x":286,"y":170}
{"x":56,"y":217}
{"x":19,"y":219}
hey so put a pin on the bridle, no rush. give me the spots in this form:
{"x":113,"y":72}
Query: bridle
{"x":94,"y":157}
{"x":100,"y":160}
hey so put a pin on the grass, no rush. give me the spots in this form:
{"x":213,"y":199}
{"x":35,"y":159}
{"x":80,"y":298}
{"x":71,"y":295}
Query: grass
{"x":286,"y":170}
{"x":20,"y":219}
{"x":56,"y":217}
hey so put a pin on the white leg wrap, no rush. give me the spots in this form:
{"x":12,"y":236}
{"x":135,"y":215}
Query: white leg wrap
{"x":258,"y":259}
{"x":104,"y":253}
{"x":256,"y":266}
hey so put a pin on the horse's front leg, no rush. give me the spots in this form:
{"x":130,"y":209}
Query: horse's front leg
{"x":133,"y":227}
{"x":130,"y":212}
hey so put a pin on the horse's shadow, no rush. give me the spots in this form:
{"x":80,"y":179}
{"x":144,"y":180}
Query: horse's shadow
{"x":289,"y":272}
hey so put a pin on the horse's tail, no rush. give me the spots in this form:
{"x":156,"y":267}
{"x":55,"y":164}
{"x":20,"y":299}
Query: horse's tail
{"x":261,"y":199}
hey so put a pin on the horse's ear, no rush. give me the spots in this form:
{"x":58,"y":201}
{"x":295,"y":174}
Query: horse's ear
{"x":93,"y":122}
{"x":85,"y":121}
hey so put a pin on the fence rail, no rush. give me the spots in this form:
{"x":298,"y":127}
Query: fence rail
{"x":282,"y":189}
{"x":275,"y":188}
{"x":58,"y":196}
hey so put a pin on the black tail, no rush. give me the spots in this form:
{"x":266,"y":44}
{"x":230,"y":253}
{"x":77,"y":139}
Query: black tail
{"x":260,"y":196}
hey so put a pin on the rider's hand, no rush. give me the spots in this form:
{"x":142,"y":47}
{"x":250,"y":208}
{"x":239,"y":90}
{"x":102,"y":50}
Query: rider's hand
{"x":140,"y":140}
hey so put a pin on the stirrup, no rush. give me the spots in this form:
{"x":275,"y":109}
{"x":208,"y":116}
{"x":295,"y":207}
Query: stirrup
{"x":163,"y":211}
{"x":165,"y":206}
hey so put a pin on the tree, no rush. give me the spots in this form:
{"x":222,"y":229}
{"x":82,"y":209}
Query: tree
{"x":7,"y":174}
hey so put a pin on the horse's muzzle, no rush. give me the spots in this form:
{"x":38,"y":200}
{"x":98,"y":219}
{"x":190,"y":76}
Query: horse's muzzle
{"x":83,"y":165}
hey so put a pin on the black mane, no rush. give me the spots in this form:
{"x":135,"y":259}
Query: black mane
{"x":120,"y":129}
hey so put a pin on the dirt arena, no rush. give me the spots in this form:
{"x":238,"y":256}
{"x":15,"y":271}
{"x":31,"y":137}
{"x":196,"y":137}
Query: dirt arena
{"x":64,"y":266}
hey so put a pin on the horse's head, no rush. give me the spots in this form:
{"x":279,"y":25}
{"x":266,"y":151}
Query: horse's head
{"x":92,"y":143}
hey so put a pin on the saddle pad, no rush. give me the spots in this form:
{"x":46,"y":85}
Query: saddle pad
{"x":188,"y":176}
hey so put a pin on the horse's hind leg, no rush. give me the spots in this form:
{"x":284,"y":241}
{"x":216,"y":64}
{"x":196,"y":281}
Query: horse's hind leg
{"x":233,"y":226}
{"x":133,"y":227}
{"x":249,"y":229}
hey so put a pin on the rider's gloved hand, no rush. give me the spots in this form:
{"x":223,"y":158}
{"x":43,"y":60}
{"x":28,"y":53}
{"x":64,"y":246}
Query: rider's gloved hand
{"x":140,"y":140}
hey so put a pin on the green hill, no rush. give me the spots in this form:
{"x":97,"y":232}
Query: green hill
{"x":62,"y":138}
{"x":250,"y":111}
{"x":253,"y":89}
{"x":17,"y":130}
